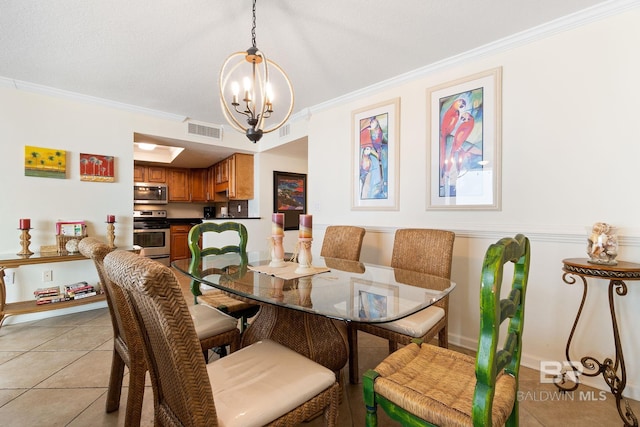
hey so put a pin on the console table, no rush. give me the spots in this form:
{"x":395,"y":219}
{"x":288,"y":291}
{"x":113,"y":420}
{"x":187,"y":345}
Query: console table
{"x":616,"y":274}
{"x":30,"y":306}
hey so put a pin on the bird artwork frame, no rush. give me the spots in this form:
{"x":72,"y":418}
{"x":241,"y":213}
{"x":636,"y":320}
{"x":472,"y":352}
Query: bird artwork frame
{"x":464,"y":140}
{"x":375,"y":156}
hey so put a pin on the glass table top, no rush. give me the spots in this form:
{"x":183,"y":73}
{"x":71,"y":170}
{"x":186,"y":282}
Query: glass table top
{"x":349,"y":290}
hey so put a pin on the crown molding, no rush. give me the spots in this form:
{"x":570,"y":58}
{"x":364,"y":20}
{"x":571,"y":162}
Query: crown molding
{"x":60,"y":93}
{"x":566,"y":23}
{"x":577,"y":19}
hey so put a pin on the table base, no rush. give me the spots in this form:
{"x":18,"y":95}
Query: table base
{"x":608,"y":368}
{"x":313,"y":336}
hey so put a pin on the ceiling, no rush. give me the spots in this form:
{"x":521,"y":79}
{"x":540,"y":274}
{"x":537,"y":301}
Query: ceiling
{"x":165,"y":55}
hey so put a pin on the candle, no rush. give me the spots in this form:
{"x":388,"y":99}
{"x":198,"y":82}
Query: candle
{"x":277,"y":224}
{"x":25,"y":223}
{"x":305,"y":226}
{"x":111,"y":218}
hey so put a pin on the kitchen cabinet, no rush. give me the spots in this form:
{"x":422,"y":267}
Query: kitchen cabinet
{"x":199,"y":185}
{"x":178,"y":181}
{"x":143,"y":173}
{"x":234,"y":178}
{"x":180,"y":241}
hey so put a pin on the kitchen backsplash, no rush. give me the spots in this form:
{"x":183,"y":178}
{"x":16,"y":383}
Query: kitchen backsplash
{"x":235,"y":209}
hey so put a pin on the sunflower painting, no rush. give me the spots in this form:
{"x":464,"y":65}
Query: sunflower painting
{"x":45,"y":162}
{"x":96,"y":168}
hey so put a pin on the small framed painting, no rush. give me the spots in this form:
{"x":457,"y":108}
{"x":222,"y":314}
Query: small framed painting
{"x":375,"y":156}
{"x":45,"y":162}
{"x":465,"y":120}
{"x":371,"y":300}
{"x":97,"y":168}
{"x":290,"y":197}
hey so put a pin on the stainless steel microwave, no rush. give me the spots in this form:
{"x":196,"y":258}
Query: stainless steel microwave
{"x":145,"y":193}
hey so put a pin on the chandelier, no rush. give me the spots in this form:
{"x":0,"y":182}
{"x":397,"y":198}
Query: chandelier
{"x":256,"y":102}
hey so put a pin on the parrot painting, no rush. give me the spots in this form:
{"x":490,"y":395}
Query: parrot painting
{"x":448,"y":124}
{"x":462,"y":133}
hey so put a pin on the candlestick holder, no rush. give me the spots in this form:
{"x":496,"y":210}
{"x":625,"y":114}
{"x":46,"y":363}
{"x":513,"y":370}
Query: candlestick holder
{"x":304,"y":255}
{"x":25,"y":241}
{"x":304,"y":291}
{"x":277,"y":251}
{"x":111,"y":234}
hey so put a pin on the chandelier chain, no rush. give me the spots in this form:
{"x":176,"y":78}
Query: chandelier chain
{"x":253,"y":28}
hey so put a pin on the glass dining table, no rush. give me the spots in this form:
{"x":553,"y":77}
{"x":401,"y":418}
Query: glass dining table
{"x":309,"y":311}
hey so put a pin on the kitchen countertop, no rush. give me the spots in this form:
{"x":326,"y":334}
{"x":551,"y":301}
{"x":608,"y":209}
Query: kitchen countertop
{"x":229,"y":218}
{"x":183,"y":221}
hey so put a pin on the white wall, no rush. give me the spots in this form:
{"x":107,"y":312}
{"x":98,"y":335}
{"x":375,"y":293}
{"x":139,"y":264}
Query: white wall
{"x":569,"y":159}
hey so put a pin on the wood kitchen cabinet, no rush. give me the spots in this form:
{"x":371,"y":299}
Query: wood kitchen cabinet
{"x":178,"y":181}
{"x":180,"y":241}
{"x":144,"y":173}
{"x":199,"y":185}
{"x":234,"y":177}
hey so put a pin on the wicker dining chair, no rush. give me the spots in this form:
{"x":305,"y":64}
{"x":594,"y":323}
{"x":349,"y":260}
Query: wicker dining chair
{"x":262,"y":384}
{"x":427,"y":251}
{"x":422,"y":384}
{"x":239,"y":309}
{"x":215,"y":329}
{"x":342,"y":241}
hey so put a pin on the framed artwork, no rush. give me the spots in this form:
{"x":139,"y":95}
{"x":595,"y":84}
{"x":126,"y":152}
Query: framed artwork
{"x":465,"y":122}
{"x":45,"y":162}
{"x":290,"y":197}
{"x":371,"y":300}
{"x":375,"y":156}
{"x":97,"y":168}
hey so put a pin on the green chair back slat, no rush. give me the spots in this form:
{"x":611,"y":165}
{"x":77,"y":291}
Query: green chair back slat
{"x":197,"y":252}
{"x":490,"y":361}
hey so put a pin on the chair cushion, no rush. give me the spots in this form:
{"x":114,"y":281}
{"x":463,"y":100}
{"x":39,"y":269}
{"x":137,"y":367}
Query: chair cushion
{"x":257,"y":384}
{"x":209,"y":321}
{"x":437,"y":385}
{"x":218,"y":298}
{"x":418,"y":323}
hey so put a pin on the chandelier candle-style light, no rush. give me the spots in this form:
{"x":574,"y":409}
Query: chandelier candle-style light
{"x":256,"y":102}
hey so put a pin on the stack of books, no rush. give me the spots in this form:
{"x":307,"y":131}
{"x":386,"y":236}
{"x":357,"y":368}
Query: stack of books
{"x":54,"y":294}
{"x":79,"y":290}
{"x":49,"y":295}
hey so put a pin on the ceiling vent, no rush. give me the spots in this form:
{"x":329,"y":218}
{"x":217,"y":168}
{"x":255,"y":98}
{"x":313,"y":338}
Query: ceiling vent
{"x":284,"y":131}
{"x":208,"y":131}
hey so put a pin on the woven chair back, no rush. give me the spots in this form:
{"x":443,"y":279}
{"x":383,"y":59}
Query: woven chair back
{"x":182,"y":391}
{"x":342,"y":241}
{"x":425,"y":250}
{"x":96,"y":250}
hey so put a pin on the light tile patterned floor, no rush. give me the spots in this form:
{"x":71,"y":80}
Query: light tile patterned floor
{"x":54,"y":372}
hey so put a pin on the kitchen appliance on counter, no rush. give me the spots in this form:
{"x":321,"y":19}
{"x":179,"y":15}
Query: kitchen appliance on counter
{"x":151,"y":231}
{"x":150,"y":194}
{"x":230,"y":209}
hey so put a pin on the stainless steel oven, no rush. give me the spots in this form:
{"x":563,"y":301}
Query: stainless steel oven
{"x":151,"y":231}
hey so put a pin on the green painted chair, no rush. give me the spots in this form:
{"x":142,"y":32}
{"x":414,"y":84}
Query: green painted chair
{"x":239,"y":309}
{"x":426,"y":385}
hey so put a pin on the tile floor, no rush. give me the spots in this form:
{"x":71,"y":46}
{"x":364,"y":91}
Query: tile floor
{"x":54,"y":372}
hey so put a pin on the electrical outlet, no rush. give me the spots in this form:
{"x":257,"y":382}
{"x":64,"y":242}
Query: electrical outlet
{"x":47,"y":276}
{"x":9,"y":277}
